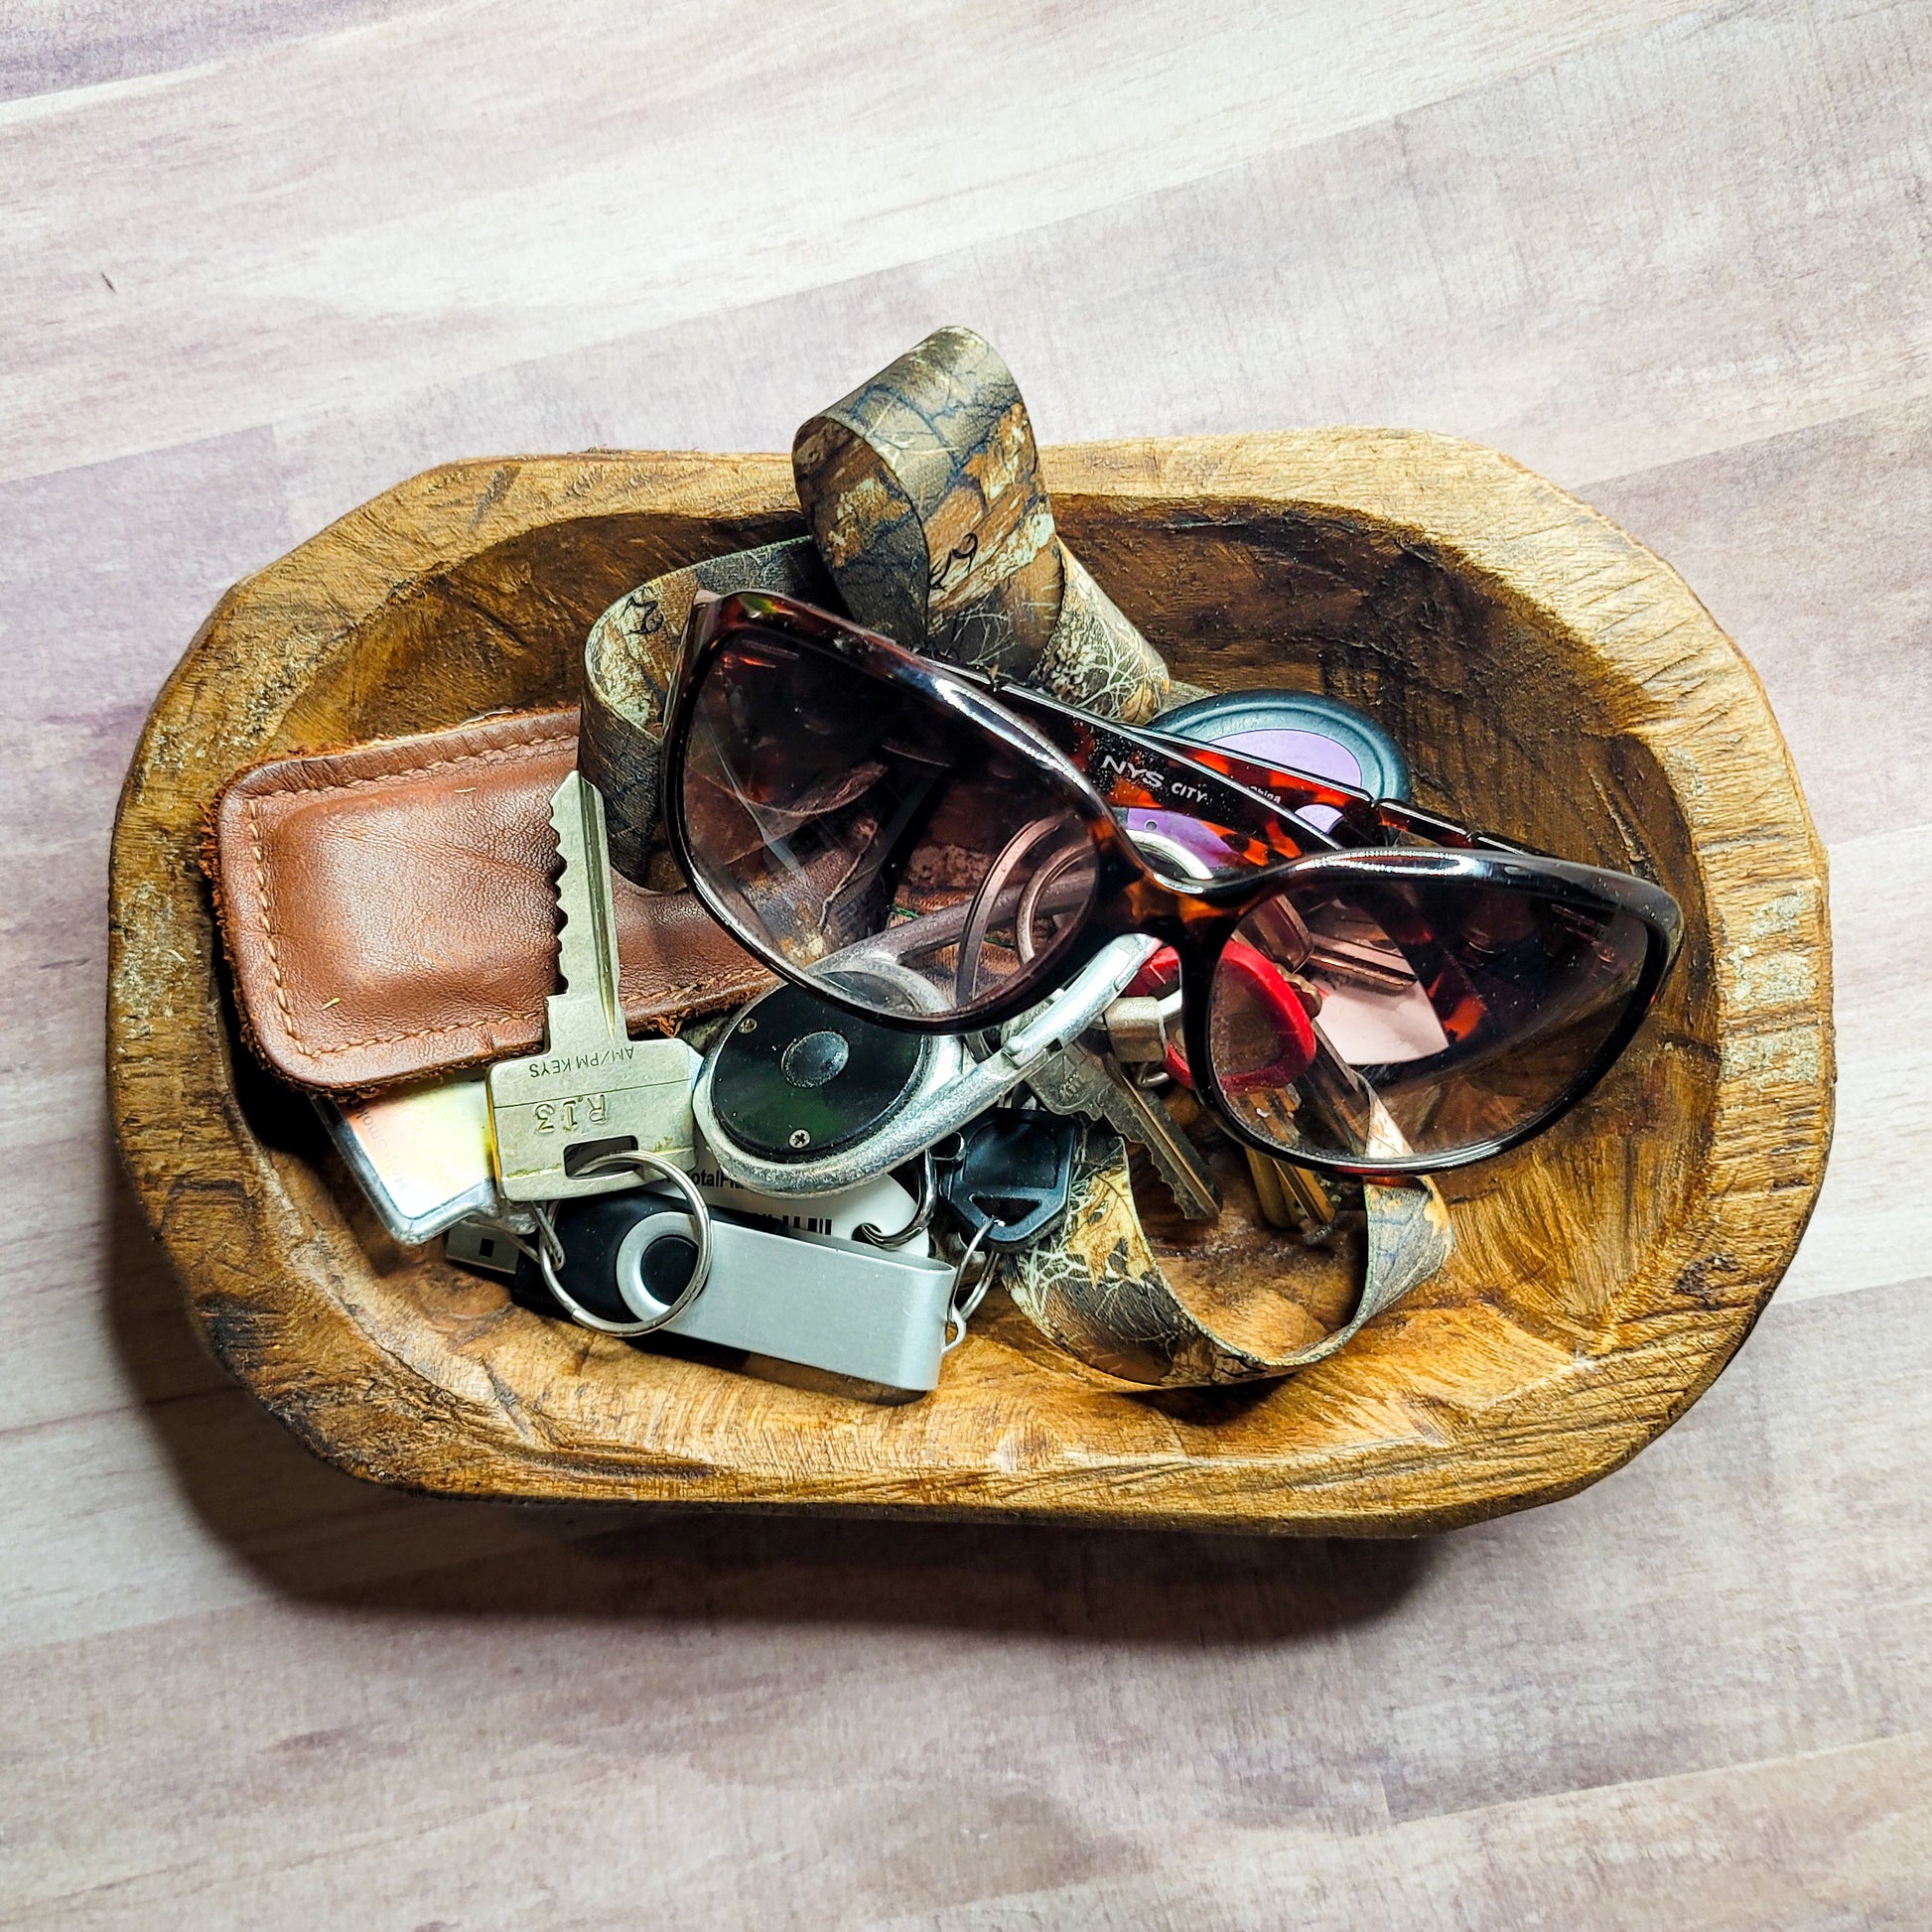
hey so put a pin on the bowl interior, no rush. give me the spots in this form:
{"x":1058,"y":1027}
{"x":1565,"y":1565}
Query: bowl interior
{"x":1510,"y":723}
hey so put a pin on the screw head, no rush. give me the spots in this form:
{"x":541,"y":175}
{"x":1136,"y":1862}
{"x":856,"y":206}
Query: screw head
{"x":799,"y":1137}
{"x":748,"y":1026}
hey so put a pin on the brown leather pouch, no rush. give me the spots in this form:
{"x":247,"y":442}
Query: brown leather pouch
{"x":389,"y":916}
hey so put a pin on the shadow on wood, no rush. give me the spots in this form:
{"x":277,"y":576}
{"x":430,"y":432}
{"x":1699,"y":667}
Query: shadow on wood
{"x":313,"y":1534}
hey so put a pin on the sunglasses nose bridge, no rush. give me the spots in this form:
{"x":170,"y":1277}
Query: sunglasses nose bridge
{"x":1142,"y":901}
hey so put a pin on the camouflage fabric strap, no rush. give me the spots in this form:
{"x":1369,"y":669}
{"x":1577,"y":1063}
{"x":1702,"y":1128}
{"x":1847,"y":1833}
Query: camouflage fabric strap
{"x":1095,"y":1287}
{"x":628,"y":661}
{"x":923,"y":490}
{"x":930,"y":523}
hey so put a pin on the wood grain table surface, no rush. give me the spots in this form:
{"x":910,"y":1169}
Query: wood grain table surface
{"x":258,"y":261}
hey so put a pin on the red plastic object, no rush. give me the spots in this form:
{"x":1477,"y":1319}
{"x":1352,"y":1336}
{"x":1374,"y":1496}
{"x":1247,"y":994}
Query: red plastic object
{"x":1268,"y":985}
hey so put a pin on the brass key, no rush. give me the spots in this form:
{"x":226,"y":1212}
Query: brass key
{"x":593,"y":1090}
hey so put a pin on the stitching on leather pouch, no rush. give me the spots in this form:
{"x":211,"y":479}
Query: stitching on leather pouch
{"x":503,"y":755}
{"x":675,"y":993}
{"x":268,"y":925}
{"x":499,"y":755}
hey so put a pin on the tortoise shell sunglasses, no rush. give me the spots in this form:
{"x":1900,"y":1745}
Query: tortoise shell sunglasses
{"x":1366,"y":989}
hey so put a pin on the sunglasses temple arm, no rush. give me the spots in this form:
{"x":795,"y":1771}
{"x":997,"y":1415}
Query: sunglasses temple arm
{"x":1370,"y":821}
{"x":1117,"y":758}
{"x":1377,"y":821}
{"x":696,"y":629}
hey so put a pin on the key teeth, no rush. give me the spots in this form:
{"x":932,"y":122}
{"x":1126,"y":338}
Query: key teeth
{"x":564,"y":801}
{"x":577,"y":817}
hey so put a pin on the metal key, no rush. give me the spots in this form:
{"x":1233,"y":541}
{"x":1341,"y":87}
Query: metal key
{"x":593,"y":1090}
{"x":1077,"y":1080}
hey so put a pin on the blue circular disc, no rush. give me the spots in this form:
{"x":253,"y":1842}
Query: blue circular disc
{"x":1298,"y":731}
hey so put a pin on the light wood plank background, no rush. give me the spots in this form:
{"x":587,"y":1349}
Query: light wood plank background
{"x":258,"y":261}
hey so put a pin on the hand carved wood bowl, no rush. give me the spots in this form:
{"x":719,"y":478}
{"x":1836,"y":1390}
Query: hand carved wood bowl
{"x":1551,"y":679}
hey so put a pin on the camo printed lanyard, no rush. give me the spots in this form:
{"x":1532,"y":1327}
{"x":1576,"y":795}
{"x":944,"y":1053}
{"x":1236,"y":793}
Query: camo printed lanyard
{"x":930,"y":523}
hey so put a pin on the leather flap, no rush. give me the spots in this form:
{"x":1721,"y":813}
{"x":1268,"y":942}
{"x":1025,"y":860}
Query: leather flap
{"x":389,"y":916}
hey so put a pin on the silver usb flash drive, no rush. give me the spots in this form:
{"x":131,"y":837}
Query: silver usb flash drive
{"x":810,"y":1298}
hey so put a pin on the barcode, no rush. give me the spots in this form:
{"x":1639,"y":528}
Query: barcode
{"x":809,"y":1224}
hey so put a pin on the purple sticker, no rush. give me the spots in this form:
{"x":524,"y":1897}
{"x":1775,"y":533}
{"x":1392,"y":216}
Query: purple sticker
{"x":1298,"y":751}
{"x":1321,"y":757}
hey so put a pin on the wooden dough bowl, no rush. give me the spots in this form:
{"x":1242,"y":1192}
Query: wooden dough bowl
{"x":1551,"y":679}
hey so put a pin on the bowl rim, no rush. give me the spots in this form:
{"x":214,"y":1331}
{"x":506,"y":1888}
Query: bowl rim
{"x":276,"y":1289}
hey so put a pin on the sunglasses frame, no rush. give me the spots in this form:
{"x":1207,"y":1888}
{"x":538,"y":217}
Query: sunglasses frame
{"x":1197,"y":918}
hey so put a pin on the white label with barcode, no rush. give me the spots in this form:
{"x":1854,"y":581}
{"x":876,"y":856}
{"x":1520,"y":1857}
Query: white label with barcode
{"x":883,"y":1203}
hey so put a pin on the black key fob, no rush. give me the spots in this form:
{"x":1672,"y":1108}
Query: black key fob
{"x":796,"y":1078}
{"x":1011,"y":1175}
{"x":592,"y":1231}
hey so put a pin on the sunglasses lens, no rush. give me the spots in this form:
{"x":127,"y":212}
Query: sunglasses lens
{"x":1363,"y":1020}
{"x":880,"y":845}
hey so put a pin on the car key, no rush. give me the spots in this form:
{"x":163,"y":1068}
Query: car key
{"x":1077,"y":1080}
{"x":593,"y":1090}
{"x":1010,"y":1180}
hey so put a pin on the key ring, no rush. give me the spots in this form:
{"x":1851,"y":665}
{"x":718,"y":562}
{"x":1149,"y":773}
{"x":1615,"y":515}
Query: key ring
{"x":875,"y":1237}
{"x":647,"y":1166}
{"x":961,"y":1310}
